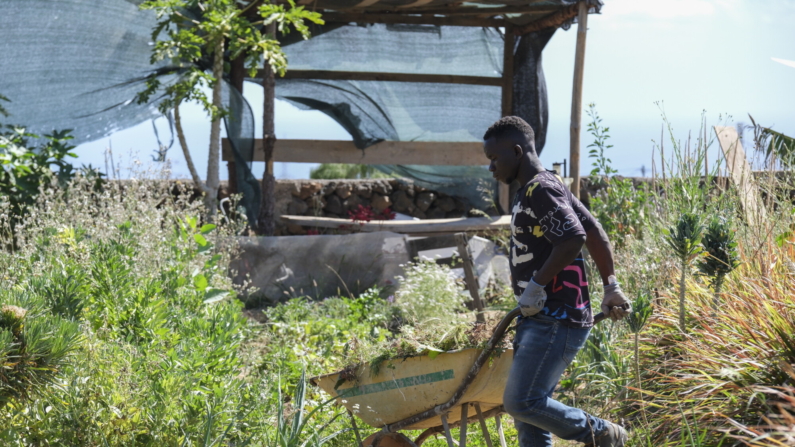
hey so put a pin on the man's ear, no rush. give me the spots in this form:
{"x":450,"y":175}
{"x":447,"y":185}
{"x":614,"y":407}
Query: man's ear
{"x":518,"y":151}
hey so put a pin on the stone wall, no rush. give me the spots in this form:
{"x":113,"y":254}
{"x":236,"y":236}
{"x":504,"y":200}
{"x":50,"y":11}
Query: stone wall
{"x":335,"y":198}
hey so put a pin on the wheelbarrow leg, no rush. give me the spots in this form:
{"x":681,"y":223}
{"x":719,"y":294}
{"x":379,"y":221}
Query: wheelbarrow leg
{"x":447,"y":433}
{"x":356,"y":430}
{"x":498,"y":421}
{"x":463,"y":430}
{"x":483,"y":427}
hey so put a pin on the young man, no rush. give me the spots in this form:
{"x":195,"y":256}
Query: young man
{"x":549,"y":226}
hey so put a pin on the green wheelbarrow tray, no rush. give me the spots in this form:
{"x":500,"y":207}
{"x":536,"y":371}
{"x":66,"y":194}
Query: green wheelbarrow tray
{"x":406,"y":387}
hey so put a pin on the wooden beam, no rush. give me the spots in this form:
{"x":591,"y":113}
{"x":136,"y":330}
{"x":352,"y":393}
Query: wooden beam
{"x":468,"y":10}
{"x":361,"y":17}
{"x":332,"y":75}
{"x":419,"y":227}
{"x":504,"y":190}
{"x":576,"y":99}
{"x":471,"y":278}
{"x":554,"y":20}
{"x":383,"y":153}
{"x":741,"y":175}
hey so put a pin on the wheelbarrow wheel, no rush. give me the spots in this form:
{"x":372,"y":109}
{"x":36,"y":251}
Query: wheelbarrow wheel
{"x":381,"y":439}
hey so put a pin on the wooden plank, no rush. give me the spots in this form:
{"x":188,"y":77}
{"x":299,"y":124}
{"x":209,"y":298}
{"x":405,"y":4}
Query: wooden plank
{"x":385,"y":152}
{"x":741,"y":174}
{"x":468,"y":10}
{"x":360,"y":17}
{"x":470,"y":276}
{"x":418,"y":227}
{"x":576,"y":99}
{"x":504,"y":190}
{"x":333,"y":75}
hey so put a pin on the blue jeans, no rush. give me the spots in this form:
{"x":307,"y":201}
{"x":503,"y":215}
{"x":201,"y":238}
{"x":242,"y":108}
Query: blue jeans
{"x":543,"y":348}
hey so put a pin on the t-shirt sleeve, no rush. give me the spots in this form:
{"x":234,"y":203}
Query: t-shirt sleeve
{"x":586,"y":218}
{"x":552,"y":207}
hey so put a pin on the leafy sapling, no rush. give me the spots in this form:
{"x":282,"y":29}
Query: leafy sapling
{"x":685,"y":240}
{"x":641,"y":311}
{"x":720,"y":255}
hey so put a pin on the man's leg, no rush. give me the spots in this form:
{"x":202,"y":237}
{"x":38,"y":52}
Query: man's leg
{"x":543,"y":348}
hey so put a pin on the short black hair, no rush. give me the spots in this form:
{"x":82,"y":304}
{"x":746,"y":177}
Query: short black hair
{"x":508,"y":125}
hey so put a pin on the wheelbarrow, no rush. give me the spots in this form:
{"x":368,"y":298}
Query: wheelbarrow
{"x":435,"y":394}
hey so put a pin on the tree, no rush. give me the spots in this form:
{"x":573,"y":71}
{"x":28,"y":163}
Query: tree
{"x":194,"y":35}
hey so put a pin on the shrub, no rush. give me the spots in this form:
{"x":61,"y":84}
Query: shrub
{"x":428,"y":295}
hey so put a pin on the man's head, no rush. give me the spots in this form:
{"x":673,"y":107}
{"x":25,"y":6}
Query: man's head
{"x":505,"y":143}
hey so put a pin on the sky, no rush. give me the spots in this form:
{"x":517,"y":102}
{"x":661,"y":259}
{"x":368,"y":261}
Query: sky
{"x":683,"y":59}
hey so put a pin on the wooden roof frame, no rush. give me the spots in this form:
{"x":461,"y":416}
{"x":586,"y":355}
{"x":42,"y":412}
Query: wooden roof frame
{"x":517,"y":17}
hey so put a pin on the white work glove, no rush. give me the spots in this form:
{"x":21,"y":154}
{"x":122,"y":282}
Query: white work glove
{"x":533,"y":299}
{"x":615,"y":304}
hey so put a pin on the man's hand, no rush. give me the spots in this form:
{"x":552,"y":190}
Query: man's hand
{"x":615,"y":304}
{"x":533,"y":299}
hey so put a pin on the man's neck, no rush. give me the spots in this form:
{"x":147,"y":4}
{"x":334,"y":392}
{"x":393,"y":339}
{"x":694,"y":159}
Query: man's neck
{"x":528,"y":169}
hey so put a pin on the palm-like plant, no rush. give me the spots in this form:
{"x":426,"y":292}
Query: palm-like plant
{"x":721,"y":257}
{"x":641,"y":311}
{"x":295,"y":431}
{"x":685,"y":239}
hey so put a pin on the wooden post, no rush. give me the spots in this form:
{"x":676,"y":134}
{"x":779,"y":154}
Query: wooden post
{"x":576,"y":100}
{"x":503,"y":190}
{"x":266,"y":224}
{"x":470,"y":274}
{"x":237,"y":74}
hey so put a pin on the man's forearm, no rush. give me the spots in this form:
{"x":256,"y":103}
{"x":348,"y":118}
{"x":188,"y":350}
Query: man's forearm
{"x":601,"y":252}
{"x":561,"y":257}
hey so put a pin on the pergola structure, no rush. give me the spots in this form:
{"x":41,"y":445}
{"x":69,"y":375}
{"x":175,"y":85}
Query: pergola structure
{"x":515,"y":17}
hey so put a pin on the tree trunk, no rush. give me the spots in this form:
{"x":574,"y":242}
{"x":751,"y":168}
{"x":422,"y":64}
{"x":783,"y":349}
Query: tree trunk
{"x":682,"y":297}
{"x":237,"y":75}
{"x":197,"y":181}
{"x":266,"y":224}
{"x":214,"y":158}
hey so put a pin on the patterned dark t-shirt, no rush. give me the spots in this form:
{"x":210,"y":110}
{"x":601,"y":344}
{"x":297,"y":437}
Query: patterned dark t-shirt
{"x":544,"y":214}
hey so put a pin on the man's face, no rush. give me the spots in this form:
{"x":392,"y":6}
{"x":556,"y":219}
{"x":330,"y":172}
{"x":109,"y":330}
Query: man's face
{"x":504,"y":156}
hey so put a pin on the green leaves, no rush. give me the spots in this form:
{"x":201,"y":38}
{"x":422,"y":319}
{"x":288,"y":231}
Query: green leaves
{"x":720,"y":251}
{"x":641,"y":311}
{"x":775,"y":144}
{"x":685,"y":237}
{"x":186,"y":36}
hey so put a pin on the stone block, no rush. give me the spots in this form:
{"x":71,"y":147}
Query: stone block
{"x":309,"y":189}
{"x":297,"y":207}
{"x":380,"y":203}
{"x":364,"y":190}
{"x":352,"y":202}
{"x":435,"y":213}
{"x":382,"y":187}
{"x":446,"y":204}
{"x":344,"y":190}
{"x":401,"y":201}
{"x":425,"y":200}
{"x":329,"y":188}
{"x":334,"y":204}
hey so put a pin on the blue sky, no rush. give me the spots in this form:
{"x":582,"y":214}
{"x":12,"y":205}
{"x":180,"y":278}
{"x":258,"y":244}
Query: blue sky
{"x":683,"y":57}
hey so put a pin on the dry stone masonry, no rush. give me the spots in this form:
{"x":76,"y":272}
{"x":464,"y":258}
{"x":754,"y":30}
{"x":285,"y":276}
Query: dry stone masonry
{"x":335,"y":198}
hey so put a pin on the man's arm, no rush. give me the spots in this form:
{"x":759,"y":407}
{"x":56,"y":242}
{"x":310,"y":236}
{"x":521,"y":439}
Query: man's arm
{"x":561,"y":257}
{"x":615,"y":304}
{"x":601,"y":252}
